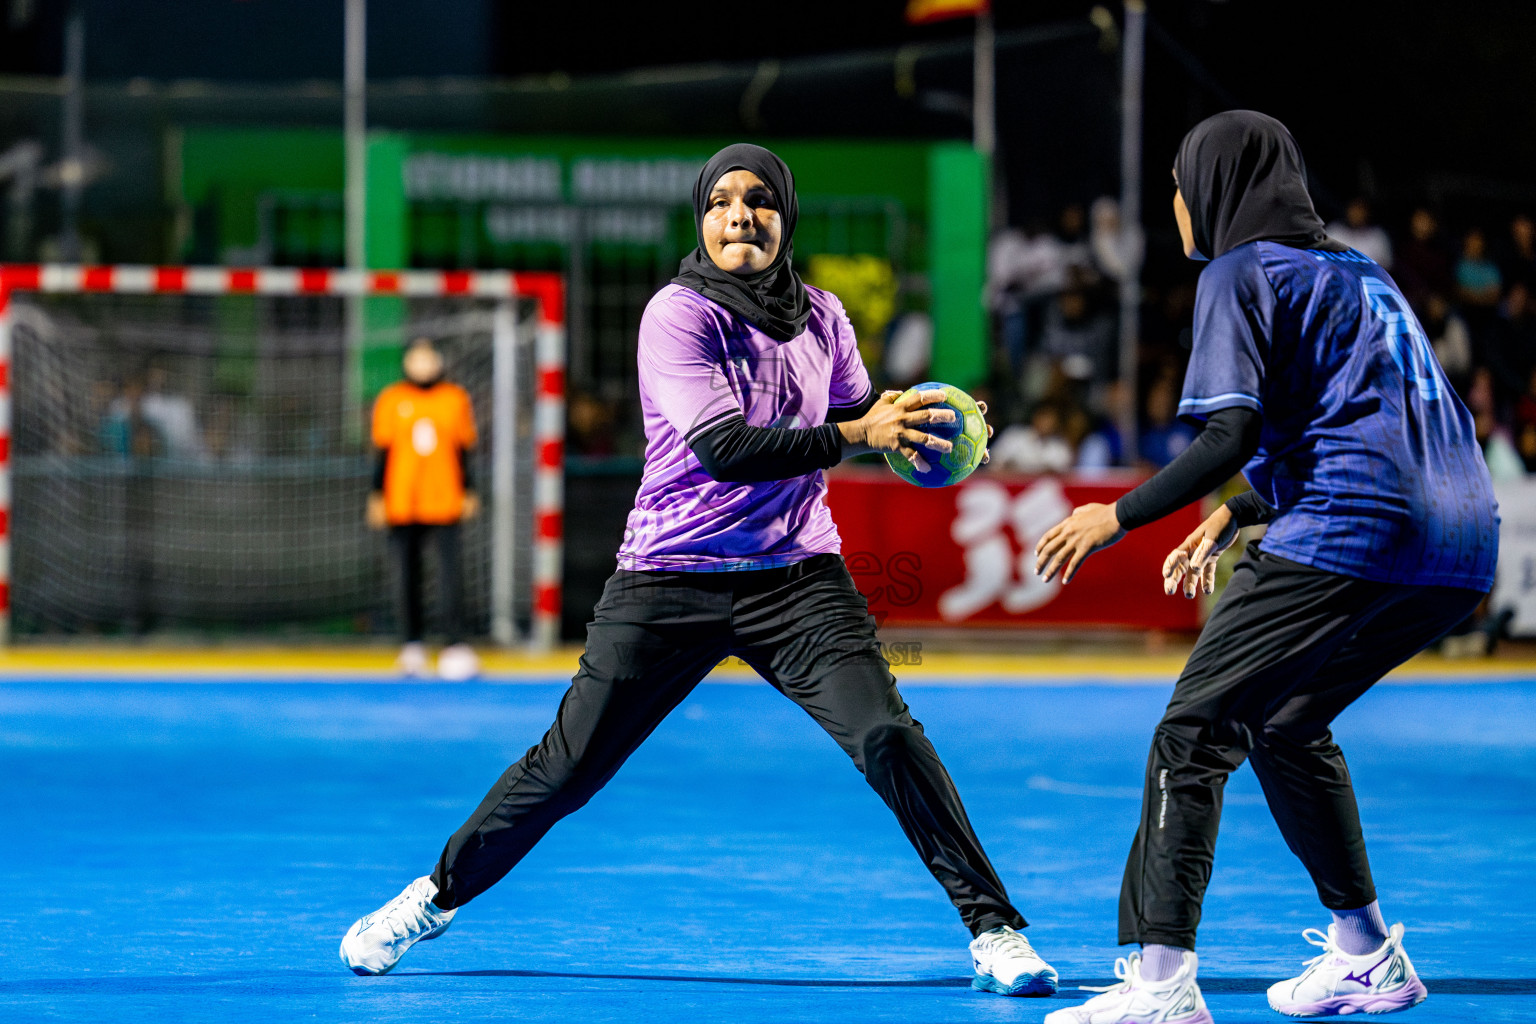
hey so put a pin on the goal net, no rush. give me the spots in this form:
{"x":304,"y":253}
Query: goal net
{"x":201,"y":463}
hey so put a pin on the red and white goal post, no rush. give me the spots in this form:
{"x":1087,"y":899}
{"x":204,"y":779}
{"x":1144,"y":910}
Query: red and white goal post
{"x":547,"y":290}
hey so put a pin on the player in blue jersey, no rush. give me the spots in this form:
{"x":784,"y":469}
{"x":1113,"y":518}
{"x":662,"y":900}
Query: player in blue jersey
{"x":1310,"y":374}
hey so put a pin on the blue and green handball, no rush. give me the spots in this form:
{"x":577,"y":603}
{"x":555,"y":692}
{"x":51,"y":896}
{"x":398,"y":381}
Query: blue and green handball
{"x":968,"y":434}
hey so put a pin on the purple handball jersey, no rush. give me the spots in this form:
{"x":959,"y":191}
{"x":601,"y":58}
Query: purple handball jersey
{"x":700,"y":364}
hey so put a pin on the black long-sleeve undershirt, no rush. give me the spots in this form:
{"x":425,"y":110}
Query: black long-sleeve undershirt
{"x":1229,"y":439}
{"x":733,"y":452}
{"x":1248,"y":509}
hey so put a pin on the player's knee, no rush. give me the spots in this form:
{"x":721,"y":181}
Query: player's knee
{"x":1179,"y":748}
{"x":560,"y":774}
{"x":1284,"y":739}
{"x":1173,"y":744}
{"x":571,"y":791}
{"x":885,"y":745}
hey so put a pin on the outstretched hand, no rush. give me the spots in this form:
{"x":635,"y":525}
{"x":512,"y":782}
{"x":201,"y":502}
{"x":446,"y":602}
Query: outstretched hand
{"x":1069,"y":542}
{"x":1191,"y":567}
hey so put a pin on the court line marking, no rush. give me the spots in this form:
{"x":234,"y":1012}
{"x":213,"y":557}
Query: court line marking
{"x":1210,"y":984}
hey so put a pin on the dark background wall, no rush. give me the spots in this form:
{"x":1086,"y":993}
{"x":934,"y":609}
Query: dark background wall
{"x":1391,"y":99}
{"x":250,"y":40}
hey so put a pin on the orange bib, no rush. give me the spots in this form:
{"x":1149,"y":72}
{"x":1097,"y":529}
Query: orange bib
{"x":424,"y":430}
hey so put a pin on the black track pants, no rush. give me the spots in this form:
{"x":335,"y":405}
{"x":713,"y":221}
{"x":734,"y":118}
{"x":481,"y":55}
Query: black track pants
{"x":1287,"y":648}
{"x":806,"y":629}
{"x":406,"y":542}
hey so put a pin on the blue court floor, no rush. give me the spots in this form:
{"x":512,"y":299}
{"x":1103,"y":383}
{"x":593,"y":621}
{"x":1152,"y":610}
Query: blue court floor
{"x":192,"y":853}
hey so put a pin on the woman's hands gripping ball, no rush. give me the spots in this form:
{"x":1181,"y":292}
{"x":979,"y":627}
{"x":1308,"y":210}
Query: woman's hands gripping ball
{"x":932,"y":435}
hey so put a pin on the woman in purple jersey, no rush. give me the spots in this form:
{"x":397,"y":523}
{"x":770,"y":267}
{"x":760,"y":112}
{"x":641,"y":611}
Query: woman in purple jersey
{"x":1308,"y":373}
{"x":751,"y":385}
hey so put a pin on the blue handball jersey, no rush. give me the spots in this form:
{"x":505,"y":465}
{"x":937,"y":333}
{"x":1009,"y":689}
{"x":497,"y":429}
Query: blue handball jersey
{"x":1366,"y":452}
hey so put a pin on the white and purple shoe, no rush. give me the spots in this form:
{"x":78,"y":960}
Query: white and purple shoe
{"x":1135,"y":1000}
{"x":1337,"y":983}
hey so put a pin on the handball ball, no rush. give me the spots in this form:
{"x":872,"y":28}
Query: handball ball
{"x":968,"y":433}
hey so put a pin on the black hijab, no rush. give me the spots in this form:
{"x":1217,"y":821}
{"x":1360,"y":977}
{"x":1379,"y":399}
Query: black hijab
{"x":773,"y":300}
{"x":1243,"y":180}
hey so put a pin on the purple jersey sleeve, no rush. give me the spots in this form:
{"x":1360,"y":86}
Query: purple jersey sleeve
{"x":680,"y":363}
{"x":850,"y":380}
{"x":1234,"y":320}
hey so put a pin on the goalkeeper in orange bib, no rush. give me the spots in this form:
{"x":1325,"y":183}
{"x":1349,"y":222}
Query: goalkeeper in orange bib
{"x":424,"y":428}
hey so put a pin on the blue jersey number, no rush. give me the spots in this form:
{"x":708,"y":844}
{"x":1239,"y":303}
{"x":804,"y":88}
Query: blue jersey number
{"x":1405,"y":338}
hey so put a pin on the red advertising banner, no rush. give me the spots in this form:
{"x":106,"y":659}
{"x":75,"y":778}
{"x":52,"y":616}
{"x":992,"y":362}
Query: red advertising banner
{"x":964,"y":555}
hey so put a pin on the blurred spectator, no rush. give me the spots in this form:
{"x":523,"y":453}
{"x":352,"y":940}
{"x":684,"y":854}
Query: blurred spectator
{"x":1163,"y":434}
{"x":1041,"y":446}
{"x":119,"y":418}
{"x":125,"y":430}
{"x":909,"y":349}
{"x":1451,"y":340}
{"x":1479,"y":397}
{"x":109,"y":436}
{"x":1072,"y":231}
{"x":591,"y":422}
{"x":1498,"y":450}
{"x":1525,"y":446}
{"x":1525,"y":406}
{"x":221,"y":426}
{"x":1080,"y":335}
{"x":1025,"y":267}
{"x":1519,"y":262}
{"x":1512,"y":347}
{"x":1423,"y":267}
{"x":1525,"y":424}
{"x":1116,"y":249}
{"x":1478,"y":281}
{"x":1357,"y":232}
{"x":172,"y":416}
{"x":1098,"y":443}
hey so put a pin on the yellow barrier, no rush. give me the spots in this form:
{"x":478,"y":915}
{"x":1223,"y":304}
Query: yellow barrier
{"x":347,"y":664}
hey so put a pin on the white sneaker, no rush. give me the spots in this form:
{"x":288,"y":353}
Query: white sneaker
{"x":412,"y":661}
{"x":1174,"y":1000}
{"x":377,"y":941}
{"x":1336,"y":982}
{"x":458,"y":663}
{"x":1007,"y":964}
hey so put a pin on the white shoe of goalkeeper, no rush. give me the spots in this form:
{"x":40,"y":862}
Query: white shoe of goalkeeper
{"x":1134,"y":1000}
{"x":412,"y":662}
{"x":458,"y":663}
{"x":1007,"y":964}
{"x":377,"y":941}
{"x":1336,"y":982}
